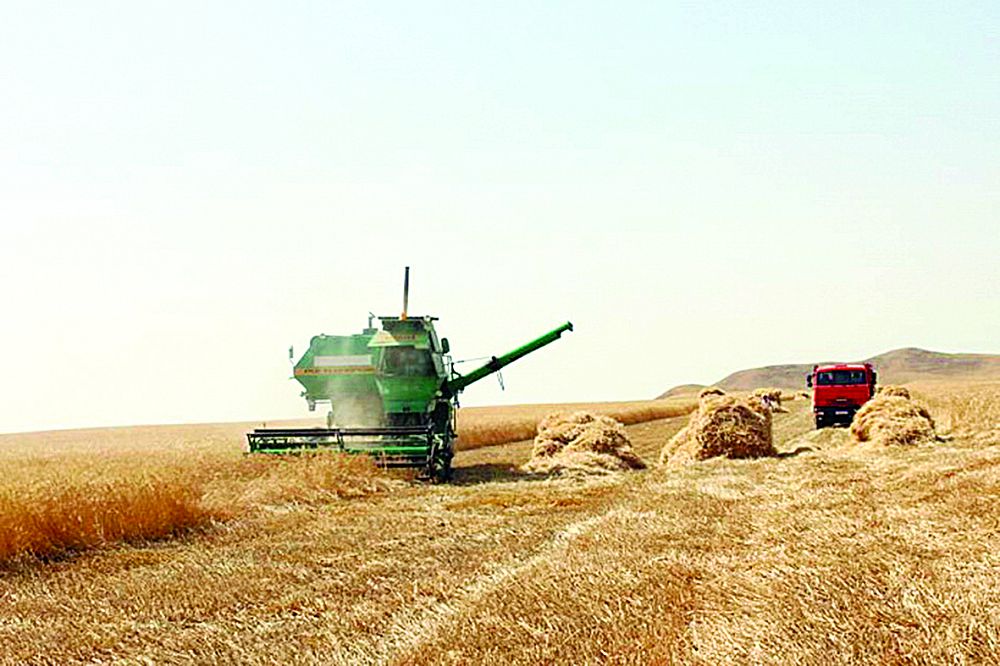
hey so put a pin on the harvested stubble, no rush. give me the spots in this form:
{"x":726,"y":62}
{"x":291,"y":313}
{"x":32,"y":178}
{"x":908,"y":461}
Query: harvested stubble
{"x":899,"y":559}
{"x":892,"y":420}
{"x":581,"y":442}
{"x":247,"y":485}
{"x":898,"y":391}
{"x":726,"y":426}
{"x":824,"y":438}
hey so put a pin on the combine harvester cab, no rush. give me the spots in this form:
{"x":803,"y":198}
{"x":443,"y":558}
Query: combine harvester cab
{"x":393,"y":393}
{"x":839,"y":390}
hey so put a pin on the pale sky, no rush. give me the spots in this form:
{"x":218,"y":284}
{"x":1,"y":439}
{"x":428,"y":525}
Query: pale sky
{"x":188,"y":188}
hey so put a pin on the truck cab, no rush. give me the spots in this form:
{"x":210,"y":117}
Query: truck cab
{"x":839,"y":390}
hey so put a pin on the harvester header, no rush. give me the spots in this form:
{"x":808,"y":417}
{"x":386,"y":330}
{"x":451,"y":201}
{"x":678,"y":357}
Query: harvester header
{"x":392,"y":392}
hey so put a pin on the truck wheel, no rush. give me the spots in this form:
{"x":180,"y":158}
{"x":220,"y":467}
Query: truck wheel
{"x":820,"y":422}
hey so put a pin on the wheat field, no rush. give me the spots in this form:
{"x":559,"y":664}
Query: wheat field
{"x":74,"y":490}
{"x":489,"y":426}
{"x":825,"y":554}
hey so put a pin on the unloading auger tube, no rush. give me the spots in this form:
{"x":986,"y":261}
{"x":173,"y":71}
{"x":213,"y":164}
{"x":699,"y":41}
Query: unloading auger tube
{"x":418,"y":402}
{"x":455,"y":385}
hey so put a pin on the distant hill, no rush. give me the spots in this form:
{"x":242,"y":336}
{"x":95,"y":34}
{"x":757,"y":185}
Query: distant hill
{"x":895,"y":367}
{"x":683,"y":389}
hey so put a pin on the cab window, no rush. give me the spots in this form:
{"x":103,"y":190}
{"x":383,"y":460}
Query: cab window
{"x":841,"y":377}
{"x":406,"y":362}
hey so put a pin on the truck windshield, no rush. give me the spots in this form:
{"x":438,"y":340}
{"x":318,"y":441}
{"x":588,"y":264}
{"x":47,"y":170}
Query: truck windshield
{"x":841,"y":377}
{"x":407,"y":362}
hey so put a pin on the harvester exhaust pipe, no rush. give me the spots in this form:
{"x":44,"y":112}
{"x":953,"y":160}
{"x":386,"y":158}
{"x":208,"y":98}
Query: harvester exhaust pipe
{"x":406,"y":291}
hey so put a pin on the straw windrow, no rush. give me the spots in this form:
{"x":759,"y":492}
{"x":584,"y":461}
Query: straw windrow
{"x":725,"y":426}
{"x":581,"y":442}
{"x":893,"y":419}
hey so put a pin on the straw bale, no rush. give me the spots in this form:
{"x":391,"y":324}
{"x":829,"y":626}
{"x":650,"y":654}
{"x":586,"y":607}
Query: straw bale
{"x":581,"y":442}
{"x":889,"y":420}
{"x":771,"y":393}
{"x":682,"y":441}
{"x":724,"y":426}
{"x":710,"y":392}
{"x":898,"y":391}
{"x":769,"y":398}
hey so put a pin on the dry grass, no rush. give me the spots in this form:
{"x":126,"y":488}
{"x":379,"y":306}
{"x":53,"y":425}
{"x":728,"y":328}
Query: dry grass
{"x":891,"y":390}
{"x":835,"y":555}
{"x":74,"y":490}
{"x":967,"y":410}
{"x":67,"y":491}
{"x":79,"y":505}
{"x":241,"y":487}
{"x":489,"y":426}
{"x":65,"y":498}
{"x":842,"y":557}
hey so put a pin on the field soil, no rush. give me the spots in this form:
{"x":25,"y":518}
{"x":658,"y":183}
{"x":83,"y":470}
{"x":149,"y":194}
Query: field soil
{"x":826,"y":554}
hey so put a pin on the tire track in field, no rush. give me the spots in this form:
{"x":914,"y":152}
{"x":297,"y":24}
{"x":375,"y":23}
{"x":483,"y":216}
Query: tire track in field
{"x":404,"y":640}
{"x":408,"y":632}
{"x":422,"y":621}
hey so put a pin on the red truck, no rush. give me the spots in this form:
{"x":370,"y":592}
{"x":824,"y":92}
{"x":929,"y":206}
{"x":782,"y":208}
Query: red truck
{"x":839,"y":390}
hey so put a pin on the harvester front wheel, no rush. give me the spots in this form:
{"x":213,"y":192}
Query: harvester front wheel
{"x":441,"y":470}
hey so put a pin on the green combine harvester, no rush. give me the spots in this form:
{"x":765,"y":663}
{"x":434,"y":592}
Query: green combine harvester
{"x":393,"y":393}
